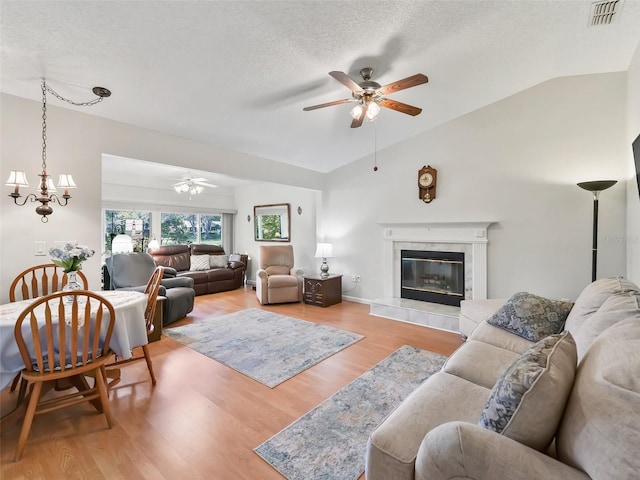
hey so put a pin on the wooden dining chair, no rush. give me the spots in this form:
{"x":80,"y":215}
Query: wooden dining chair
{"x":41,"y":280}
{"x":152,"y":289}
{"x":59,"y":340}
{"x":36,"y":282}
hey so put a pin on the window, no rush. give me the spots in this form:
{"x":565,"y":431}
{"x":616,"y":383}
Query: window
{"x":130,"y":222}
{"x":211,"y":229}
{"x":181,"y":228}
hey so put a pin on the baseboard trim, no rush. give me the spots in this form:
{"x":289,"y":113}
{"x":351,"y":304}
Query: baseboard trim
{"x":348,"y":298}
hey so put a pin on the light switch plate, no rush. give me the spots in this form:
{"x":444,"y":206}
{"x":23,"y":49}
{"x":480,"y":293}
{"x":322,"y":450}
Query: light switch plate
{"x":40,"y":248}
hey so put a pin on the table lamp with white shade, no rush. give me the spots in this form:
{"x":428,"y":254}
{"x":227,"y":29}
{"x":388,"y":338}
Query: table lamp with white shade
{"x":324,"y":251}
{"x":122,"y":244}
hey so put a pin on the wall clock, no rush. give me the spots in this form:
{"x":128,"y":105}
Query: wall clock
{"x":427,"y":178}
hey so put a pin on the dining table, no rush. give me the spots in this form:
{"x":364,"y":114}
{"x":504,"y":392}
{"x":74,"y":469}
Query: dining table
{"x":129,"y":330}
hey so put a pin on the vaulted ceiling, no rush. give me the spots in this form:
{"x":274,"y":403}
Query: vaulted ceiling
{"x":238,"y":73}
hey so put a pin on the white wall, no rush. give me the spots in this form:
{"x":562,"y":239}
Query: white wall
{"x":632,"y":238}
{"x":303,"y":225}
{"x":75,"y":144}
{"x":219,"y":199}
{"x":516,"y":163}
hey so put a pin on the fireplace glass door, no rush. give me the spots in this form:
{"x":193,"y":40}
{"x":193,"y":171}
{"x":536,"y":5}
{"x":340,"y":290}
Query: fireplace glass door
{"x":436,"y":277}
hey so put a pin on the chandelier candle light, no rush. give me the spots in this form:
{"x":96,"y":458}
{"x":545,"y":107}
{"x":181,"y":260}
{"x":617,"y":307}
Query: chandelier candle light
{"x":324,"y":251}
{"x":18,"y":179}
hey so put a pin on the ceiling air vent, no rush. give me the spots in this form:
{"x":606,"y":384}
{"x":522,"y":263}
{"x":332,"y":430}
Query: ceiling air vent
{"x":604,"y":12}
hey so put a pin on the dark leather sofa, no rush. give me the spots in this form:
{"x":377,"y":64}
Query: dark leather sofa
{"x":211,"y":280}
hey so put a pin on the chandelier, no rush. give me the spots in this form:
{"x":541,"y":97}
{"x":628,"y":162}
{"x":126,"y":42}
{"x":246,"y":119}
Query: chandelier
{"x":45,"y":194}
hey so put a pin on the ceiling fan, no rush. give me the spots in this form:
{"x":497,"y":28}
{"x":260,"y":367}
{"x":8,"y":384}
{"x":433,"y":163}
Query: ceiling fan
{"x":370,"y":95}
{"x":193,"y":186}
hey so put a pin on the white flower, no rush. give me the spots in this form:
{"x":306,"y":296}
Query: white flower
{"x":70,"y":257}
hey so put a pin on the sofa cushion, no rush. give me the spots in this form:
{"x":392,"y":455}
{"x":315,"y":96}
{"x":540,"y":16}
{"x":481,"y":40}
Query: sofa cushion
{"x":219,"y":274}
{"x":198,"y":276}
{"x":174,"y":256}
{"x":615,"y":309}
{"x":218,"y":261}
{"x":394,"y":444}
{"x":530,"y":316}
{"x":473,"y":312}
{"x":199,"y":262}
{"x":500,"y":338}
{"x":205,"y":249}
{"x":282,"y":281}
{"x":527,"y":402}
{"x":592,"y":298}
{"x":465,"y":362}
{"x":277,"y":270}
{"x":600,"y":429}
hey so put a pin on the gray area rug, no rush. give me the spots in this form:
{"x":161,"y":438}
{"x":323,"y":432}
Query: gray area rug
{"x":263,"y":345}
{"x":330,"y":441}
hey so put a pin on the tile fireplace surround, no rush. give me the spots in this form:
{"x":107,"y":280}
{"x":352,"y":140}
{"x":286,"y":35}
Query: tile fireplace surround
{"x":467,"y":237}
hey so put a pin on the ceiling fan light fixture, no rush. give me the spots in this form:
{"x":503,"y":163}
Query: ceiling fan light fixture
{"x":195,"y":189}
{"x":370,"y":96}
{"x":356,"y":111}
{"x":373,"y":109}
{"x":190,"y":186}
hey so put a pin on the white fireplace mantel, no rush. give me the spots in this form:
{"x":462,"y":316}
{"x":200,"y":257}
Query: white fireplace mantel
{"x":470,"y":237}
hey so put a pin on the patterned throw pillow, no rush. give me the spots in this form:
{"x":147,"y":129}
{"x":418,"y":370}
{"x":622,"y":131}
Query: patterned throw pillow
{"x":218,"y":261}
{"x":531,"y":317}
{"x":199,"y":262}
{"x":527,"y":402}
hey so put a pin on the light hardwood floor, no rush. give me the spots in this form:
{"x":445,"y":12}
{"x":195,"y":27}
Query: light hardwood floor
{"x":203,"y":419}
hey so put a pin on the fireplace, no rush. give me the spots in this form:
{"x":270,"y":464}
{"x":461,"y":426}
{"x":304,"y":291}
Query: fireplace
{"x":432,"y":276}
{"x":466,"y":238}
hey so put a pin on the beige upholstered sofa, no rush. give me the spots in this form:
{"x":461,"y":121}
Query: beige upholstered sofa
{"x":277,"y":281}
{"x":586,"y":419}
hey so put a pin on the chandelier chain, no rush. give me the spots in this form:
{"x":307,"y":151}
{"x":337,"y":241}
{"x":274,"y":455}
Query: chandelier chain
{"x":44,"y":127}
{"x":44,"y":196}
{"x":77,"y":104}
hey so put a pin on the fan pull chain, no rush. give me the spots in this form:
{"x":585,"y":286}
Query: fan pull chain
{"x":375,"y":146}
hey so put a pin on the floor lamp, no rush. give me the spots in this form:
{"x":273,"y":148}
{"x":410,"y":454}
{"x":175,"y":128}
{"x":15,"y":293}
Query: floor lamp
{"x":596,"y":187}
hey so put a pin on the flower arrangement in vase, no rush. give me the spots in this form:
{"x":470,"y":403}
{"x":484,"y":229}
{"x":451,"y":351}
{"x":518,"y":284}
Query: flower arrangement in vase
{"x":70,"y":258}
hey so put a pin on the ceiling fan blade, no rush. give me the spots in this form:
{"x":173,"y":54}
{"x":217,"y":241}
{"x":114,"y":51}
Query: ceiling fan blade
{"x":205,"y":184}
{"x":329,"y":104}
{"x":357,"y":122}
{"x":412,"y":81}
{"x":400,"y":107}
{"x":347,"y":81}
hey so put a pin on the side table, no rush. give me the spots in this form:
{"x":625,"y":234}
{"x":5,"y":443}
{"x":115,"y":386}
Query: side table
{"x":322,"y":291}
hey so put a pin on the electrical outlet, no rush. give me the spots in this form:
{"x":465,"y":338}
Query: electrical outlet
{"x":354,"y":278}
{"x":357,"y":278}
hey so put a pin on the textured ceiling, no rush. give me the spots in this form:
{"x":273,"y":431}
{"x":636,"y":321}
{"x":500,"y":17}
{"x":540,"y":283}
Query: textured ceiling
{"x":238,"y":73}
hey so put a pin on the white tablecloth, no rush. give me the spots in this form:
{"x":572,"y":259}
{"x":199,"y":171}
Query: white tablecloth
{"x":129,"y":330}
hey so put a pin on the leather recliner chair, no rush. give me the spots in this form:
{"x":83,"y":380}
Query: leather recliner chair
{"x":277,"y":281}
{"x":131,"y":271}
